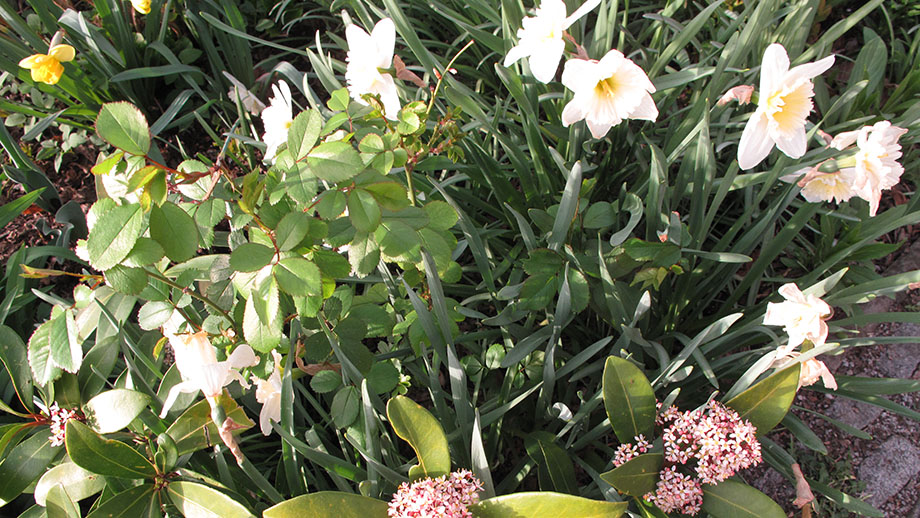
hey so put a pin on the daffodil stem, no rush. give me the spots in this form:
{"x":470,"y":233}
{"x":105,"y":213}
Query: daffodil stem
{"x":441,"y":78}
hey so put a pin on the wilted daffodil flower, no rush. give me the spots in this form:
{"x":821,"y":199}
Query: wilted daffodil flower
{"x":606,"y":92}
{"x":268,"y":392}
{"x":369,"y":56}
{"x":785,"y":102}
{"x":277,"y":119}
{"x":540,"y":37}
{"x":47,"y":68}
{"x":141,"y":6}
{"x":802,"y":316}
{"x":196,"y":360}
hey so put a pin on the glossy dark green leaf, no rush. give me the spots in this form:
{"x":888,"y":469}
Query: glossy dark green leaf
{"x":113,"y":410}
{"x":14,"y":356}
{"x":58,"y":504}
{"x":78,"y":482}
{"x":329,"y":503}
{"x":194,"y":430}
{"x":200,"y":501}
{"x":25,"y":463}
{"x":114,"y":235}
{"x":175,"y":230}
{"x":131,"y":503}
{"x":111,"y":458}
{"x":555,"y":469}
{"x":423,"y":432}
{"x":731,"y":499}
{"x":546,"y":504}
{"x":629,"y":400}
{"x":637,"y":476}
{"x":765,"y":403}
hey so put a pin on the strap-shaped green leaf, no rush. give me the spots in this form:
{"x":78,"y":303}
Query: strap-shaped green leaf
{"x":422,"y":431}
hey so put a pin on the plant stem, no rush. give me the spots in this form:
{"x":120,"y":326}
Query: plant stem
{"x":446,"y":71}
{"x":192,"y":294}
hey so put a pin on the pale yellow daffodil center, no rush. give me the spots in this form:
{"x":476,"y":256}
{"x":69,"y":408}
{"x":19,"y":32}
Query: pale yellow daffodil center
{"x":607,"y":88}
{"x":788,"y":108}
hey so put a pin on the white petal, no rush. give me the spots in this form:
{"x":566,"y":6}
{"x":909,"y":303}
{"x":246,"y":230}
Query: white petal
{"x":810,"y":70}
{"x":646,"y":109}
{"x":359,"y":41}
{"x":579,"y":74}
{"x":178,"y":388}
{"x":599,"y":128}
{"x":755,"y":142}
{"x":517,"y":52}
{"x":389,"y":96}
{"x":545,"y":60}
{"x":581,"y":11}
{"x":793,"y":145}
{"x":844,"y":140}
{"x":572,"y":113}
{"x":384,"y":38}
{"x":774,"y":66}
{"x":242,"y":356}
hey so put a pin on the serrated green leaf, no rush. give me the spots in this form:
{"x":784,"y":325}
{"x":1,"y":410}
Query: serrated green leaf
{"x":291,"y":230}
{"x":44,"y":369}
{"x":326,"y":381}
{"x":146,"y":251}
{"x":345,"y":406}
{"x":122,"y":125}
{"x":390,"y":195}
{"x":303,"y":133}
{"x":298,"y":277}
{"x":335,"y":161}
{"x":175,"y":230}
{"x":363,"y":254}
{"x":130,"y":281}
{"x":250,"y":257}
{"x":363,"y":210}
{"x":114,"y":235}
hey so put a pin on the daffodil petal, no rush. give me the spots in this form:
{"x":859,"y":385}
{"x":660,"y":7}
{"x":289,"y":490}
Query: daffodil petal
{"x":33,"y":61}
{"x":810,"y":70}
{"x":545,"y":60}
{"x":578,"y":71}
{"x":646,"y":109}
{"x":515,"y":54}
{"x":774,"y":66}
{"x":183,"y":387}
{"x":62,"y":53}
{"x":581,"y":11}
{"x":755,"y":142}
{"x":384,"y":37}
{"x":793,"y":145}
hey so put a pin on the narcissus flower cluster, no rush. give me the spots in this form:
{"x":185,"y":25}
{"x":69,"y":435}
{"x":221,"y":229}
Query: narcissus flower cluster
{"x":446,"y":496}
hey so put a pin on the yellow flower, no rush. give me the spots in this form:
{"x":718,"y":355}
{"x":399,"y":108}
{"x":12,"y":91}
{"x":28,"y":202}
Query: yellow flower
{"x":141,"y":6}
{"x":47,"y":68}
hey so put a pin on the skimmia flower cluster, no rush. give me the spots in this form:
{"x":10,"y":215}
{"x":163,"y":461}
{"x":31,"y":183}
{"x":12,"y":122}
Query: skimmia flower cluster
{"x":447,"y":496}
{"x":58,"y":418}
{"x":713,"y":443}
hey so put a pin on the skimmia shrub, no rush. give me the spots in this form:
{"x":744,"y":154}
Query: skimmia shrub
{"x":428,"y":280}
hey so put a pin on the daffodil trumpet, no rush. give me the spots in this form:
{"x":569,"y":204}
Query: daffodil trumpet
{"x":47,"y":68}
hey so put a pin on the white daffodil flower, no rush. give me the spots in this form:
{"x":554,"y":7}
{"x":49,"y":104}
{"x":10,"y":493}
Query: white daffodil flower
{"x":606,"y":92}
{"x":813,"y":369}
{"x":268,"y":392}
{"x":876,"y":167}
{"x":369,"y":56}
{"x":785,"y":102}
{"x":802,"y":316}
{"x":277,"y":119}
{"x":837,"y":187}
{"x":196,"y":360}
{"x":540,"y":37}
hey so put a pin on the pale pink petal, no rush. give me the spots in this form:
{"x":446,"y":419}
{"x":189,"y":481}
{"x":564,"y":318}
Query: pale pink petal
{"x":646,"y":109}
{"x":598,"y":128}
{"x":572,"y":113}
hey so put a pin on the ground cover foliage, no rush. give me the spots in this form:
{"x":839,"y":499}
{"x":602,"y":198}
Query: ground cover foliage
{"x":444,"y":268}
